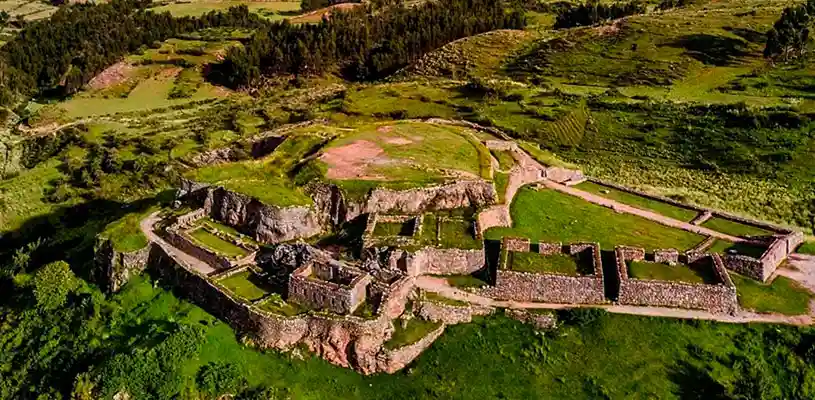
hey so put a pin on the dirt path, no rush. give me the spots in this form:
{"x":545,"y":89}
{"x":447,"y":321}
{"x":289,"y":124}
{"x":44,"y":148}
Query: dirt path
{"x":623,"y":208}
{"x":526,"y":171}
{"x":146,"y":226}
{"x":801,"y":269}
{"x":440,"y":286}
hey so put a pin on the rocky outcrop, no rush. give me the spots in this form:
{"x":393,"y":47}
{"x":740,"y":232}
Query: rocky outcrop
{"x":333,"y":206}
{"x":462,"y":194}
{"x":267,"y":223}
{"x":115,"y":268}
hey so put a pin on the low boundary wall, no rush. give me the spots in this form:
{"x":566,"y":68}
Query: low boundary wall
{"x":550,"y":287}
{"x":717,"y":298}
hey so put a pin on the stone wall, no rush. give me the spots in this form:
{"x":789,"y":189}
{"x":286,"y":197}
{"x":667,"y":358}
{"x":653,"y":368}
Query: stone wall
{"x":515,"y":244}
{"x":537,"y":319}
{"x":115,"y":268}
{"x":546,"y":288}
{"x":763,"y":268}
{"x":267,"y":223}
{"x":435,"y":261}
{"x":666,"y":256}
{"x":549,"y":287}
{"x":716,"y":298}
{"x":393,"y":360}
{"x":183,"y":243}
{"x":449,"y":314}
{"x":345,"y":341}
{"x":547,"y":249}
{"x":310,"y":286}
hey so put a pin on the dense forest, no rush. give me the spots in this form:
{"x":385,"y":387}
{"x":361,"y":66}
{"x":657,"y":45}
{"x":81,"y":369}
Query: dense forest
{"x":362,"y":44}
{"x":592,"y":12}
{"x":59,"y":55}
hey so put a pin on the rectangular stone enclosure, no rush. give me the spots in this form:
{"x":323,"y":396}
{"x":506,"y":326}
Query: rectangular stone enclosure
{"x":719,"y":296}
{"x":550,"y":287}
{"x":329,"y":286}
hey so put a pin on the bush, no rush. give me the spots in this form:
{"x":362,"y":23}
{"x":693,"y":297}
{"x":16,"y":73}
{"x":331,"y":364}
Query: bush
{"x":582,"y":317}
{"x":52,"y":284}
{"x":218,"y":378}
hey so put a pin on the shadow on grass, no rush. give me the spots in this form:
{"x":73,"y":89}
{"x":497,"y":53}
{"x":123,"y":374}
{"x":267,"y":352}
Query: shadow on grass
{"x":69,"y":233}
{"x":694,"y":383}
{"x":712,"y":49}
{"x":610,"y":280}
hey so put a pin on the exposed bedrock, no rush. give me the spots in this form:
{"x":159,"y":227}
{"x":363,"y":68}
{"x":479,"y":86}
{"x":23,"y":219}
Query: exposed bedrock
{"x":334,"y":206}
{"x":267,"y":223}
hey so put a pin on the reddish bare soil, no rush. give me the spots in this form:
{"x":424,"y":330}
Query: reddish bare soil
{"x":351,"y":161}
{"x":116,"y":73}
{"x":317,"y":15}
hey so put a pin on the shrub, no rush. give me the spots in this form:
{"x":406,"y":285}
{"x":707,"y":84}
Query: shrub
{"x":218,"y":378}
{"x":52,"y":284}
{"x":582,"y":317}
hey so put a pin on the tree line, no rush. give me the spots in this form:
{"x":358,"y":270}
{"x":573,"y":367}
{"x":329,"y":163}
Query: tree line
{"x":789,"y":37}
{"x":593,"y":12}
{"x":59,"y":55}
{"x":362,"y":43}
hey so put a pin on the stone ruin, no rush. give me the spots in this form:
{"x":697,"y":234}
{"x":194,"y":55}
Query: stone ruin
{"x":179,"y":235}
{"x":717,"y":297}
{"x":549,"y":287}
{"x":330,"y":286}
{"x":762,"y":268}
{"x":781,"y":244}
{"x":370,"y":239}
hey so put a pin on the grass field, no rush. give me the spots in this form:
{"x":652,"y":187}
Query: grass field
{"x":458,"y":234}
{"x":782,"y":295}
{"x":246,"y":285}
{"x":422,"y":146}
{"x":665,"y":209}
{"x":217,"y":244}
{"x":275,"y":304}
{"x":22,"y":197}
{"x":505,"y":159}
{"x":725,"y":247}
{"x":265,"y":179}
{"x":664,"y":358}
{"x":575,"y":220}
{"x":807,"y":248}
{"x":465,"y":281}
{"x":394,"y":229}
{"x":415,"y":330}
{"x":561,"y":264}
{"x":664,"y":272}
{"x":269,"y":9}
{"x":734,"y":228}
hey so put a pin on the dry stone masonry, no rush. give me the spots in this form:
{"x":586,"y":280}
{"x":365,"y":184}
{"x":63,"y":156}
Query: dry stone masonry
{"x":329,"y":286}
{"x":549,"y":287}
{"x":719,"y":297}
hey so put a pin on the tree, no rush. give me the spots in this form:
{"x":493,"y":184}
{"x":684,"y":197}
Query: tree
{"x":52,"y":284}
